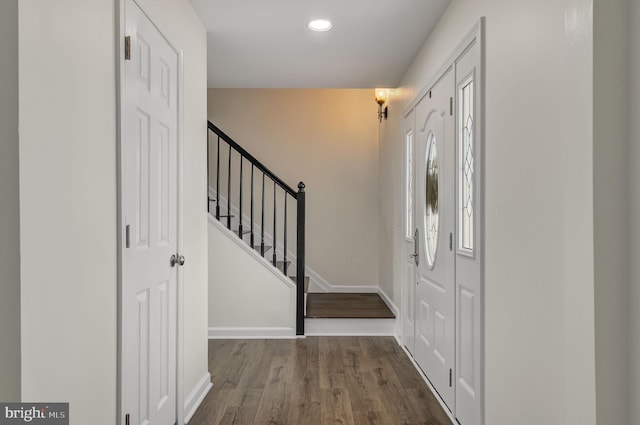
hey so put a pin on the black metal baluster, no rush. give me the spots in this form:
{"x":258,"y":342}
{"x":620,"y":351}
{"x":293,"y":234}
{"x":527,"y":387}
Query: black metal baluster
{"x":229,"y":192}
{"x":208,"y":183}
{"x":252,"y":237}
{"x":285,"y":233}
{"x":262,"y":220}
{"x":240,"y":210}
{"x":300,"y":253}
{"x":218,"y":182}
{"x":299,"y":196}
{"x":275,"y":261}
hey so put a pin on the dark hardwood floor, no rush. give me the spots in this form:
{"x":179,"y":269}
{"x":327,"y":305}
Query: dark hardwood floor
{"x":316,"y":380}
{"x":344,"y":305}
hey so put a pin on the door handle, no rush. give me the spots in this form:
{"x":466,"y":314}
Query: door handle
{"x":175,"y":259}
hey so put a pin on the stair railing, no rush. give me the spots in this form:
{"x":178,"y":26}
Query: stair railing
{"x":235,"y":189}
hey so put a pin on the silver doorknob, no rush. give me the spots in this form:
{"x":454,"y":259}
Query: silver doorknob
{"x":181,"y":260}
{"x":173,"y":260}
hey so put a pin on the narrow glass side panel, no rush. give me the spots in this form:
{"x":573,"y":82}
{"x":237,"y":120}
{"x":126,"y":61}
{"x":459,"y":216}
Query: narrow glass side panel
{"x":409,"y":185}
{"x":466,"y":202}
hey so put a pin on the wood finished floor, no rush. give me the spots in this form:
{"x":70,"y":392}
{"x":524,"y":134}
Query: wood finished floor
{"x":315,"y":381}
{"x":346,"y":305}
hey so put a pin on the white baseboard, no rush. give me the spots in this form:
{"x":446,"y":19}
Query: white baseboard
{"x":387,"y":300}
{"x":195,"y":397}
{"x":317,"y":282}
{"x":251,"y":333}
{"x":350,"y":327}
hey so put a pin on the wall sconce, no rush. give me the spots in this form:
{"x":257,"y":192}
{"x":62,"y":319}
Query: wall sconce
{"x":381,"y":98}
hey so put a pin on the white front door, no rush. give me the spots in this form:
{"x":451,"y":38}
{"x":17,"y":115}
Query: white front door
{"x":434,"y":220}
{"x":410,"y":248}
{"x":150,"y":220}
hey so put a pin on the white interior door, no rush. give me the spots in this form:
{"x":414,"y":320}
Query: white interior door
{"x":434,"y":219}
{"x":469,"y":236}
{"x":409,"y":275}
{"x":150,"y":219}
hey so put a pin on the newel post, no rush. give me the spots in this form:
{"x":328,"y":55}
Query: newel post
{"x":300,"y":265}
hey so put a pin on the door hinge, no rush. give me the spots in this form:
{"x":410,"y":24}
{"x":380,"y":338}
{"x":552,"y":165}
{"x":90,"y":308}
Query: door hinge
{"x":450,"y":377}
{"x":127,"y":48}
{"x":127,"y":237}
{"x":126,"y":419}
{"x":451,"y":106}
{"x":450,"y":241}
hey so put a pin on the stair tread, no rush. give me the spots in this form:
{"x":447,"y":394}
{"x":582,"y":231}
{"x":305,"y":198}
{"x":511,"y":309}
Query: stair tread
{"x":266,"y":248}
{"x":347,"y":306}
{"x":307,"y":280}
{"x":280,"y":265}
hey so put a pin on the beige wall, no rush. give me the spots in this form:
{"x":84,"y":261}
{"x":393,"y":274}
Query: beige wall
{"x":539,"y":279}
{"x":610,"y":209}
{"x":329,"y":140}
{"x":390,"y":201}
{"x":9,"y":206}
{"x":68,"y":204}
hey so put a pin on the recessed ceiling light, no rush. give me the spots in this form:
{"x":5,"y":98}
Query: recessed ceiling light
{"x":319,"y":25}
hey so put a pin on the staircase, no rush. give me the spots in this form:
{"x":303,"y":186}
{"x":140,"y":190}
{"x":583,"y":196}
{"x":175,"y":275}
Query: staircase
{"x":268,"y":215}
{"x":263,"y":199}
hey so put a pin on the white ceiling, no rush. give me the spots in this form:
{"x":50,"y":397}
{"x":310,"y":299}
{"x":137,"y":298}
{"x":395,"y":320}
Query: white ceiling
{"x":266,"y":43}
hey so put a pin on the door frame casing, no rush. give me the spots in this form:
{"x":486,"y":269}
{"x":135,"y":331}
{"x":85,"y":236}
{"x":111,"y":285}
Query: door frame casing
{"x":475,"y":35}
{"x":120,"y":33}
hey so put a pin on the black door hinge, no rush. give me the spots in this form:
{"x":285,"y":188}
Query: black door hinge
{"x":126,"y":419}
{"x":450,"y":377}
{"x":451,"y":106}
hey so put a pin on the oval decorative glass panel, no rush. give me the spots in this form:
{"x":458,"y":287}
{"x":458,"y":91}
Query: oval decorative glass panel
{"x":431,"y":201}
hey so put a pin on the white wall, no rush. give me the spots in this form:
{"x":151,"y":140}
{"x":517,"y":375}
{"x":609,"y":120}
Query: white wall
{"x":68,"y":201}
{"x":633,"y":226}
{"x":68,"y":205}
{"x":610,"y":209}
{"x":246,"y":297}
{"x":9,"y":206}
{"x":328,"y":139}
{"x":539,"y":278}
